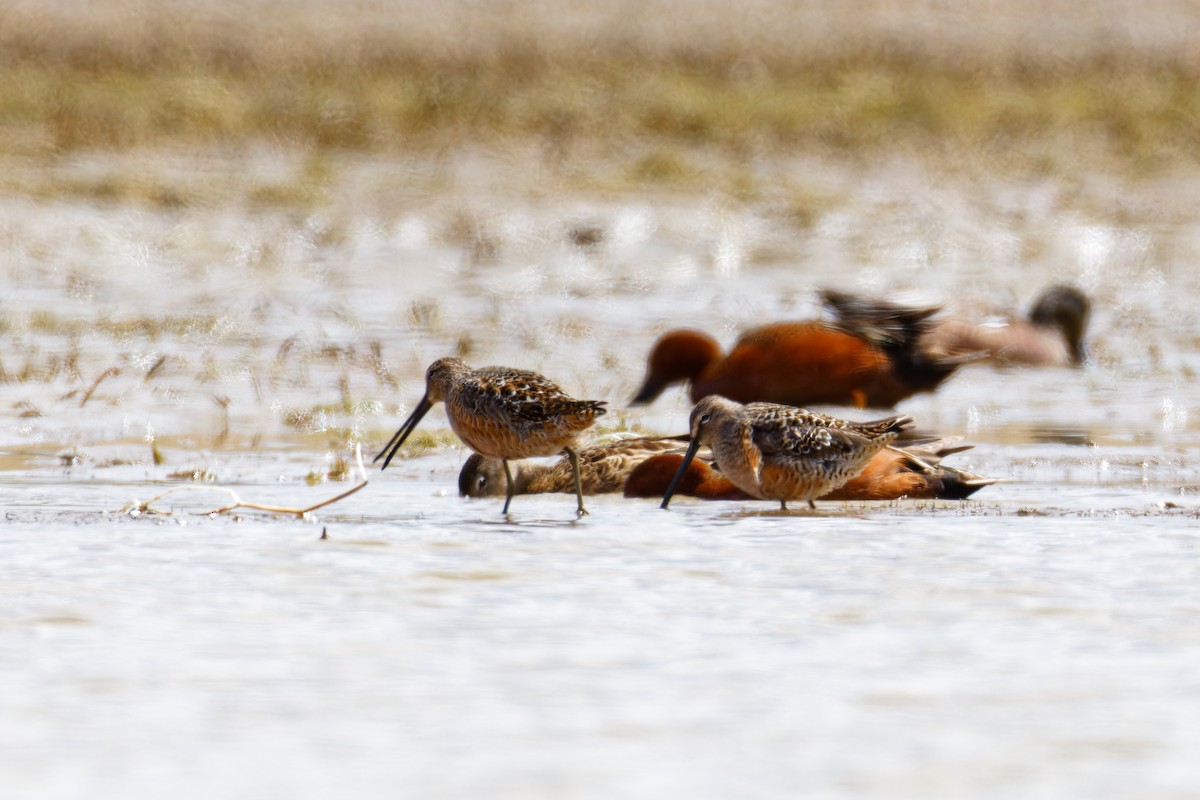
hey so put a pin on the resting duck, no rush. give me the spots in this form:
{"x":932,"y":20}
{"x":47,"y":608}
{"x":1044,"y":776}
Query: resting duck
{"x":915,"y":472}
{"x":603,"y":466}
{"x":1052,"y":335}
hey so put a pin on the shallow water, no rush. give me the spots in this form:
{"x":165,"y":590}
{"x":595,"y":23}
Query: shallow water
{"x":710,"y":650}
{"x":1037,"y":641}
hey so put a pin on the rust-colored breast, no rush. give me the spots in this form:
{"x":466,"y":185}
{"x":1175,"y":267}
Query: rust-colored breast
{"x":785,"y":453}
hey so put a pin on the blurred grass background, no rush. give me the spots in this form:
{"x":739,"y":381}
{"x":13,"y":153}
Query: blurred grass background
{"x":653,"y":87}
{"x":403,"y":133}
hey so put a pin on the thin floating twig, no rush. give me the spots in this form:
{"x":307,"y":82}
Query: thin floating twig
{"x":136,"y":507}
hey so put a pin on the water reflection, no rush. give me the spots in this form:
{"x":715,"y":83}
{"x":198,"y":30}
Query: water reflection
{"x":1052,"y":434}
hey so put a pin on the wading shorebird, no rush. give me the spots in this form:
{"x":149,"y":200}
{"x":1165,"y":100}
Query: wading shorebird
{"x":503,"y":413}
{"x":603,"y":468}
{"x":868,"y":357}
{"x":777,"y":452}
{"x":915,"y":472}
{"x":1051,"y":335}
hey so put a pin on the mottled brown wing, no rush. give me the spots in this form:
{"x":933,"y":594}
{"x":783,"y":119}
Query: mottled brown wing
{"x":526,"y":395}
{"x":798,"y":433}
{"x":878,"y":427}
{"x":792,"y":415}
{"x":633,"y":447}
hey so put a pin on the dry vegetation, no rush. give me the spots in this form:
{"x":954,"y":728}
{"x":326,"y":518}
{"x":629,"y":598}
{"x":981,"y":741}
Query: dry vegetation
{"x":139,"y":507}
{"x":1025,"y":87}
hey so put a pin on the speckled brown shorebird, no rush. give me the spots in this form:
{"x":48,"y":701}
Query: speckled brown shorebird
{"x":777,"y":452}
{"x":503,"y":413}
{"x":603,"y":466}
{"x":915,"y":472}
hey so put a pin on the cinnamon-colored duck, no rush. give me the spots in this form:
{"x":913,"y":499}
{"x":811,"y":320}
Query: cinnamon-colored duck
{"x":870,"y":356}
{"x":1051,"y":335}
{"x":892,"y":474}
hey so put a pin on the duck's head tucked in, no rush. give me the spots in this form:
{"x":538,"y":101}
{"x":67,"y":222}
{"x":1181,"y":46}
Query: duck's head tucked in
{"x":482,"y":477}
{"x":678,"y":356}
{"x":1067,"y":309}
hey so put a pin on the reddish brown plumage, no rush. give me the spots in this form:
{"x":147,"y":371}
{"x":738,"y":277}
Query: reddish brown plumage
{"x":889,"y":475}
{"x":803,"y":364}
{"x":652,"y":476}
{"x":795,"y":363}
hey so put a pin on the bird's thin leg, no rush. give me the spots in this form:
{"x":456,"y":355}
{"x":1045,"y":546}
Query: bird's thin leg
{"x":812,"y":505}
{"x":574,"y":457}
{"x":783,"y":505}
{"x":508,"y":485}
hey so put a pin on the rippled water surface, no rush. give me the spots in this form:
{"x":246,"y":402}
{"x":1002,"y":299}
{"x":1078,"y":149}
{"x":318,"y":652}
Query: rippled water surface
{"x":1040,"y":640}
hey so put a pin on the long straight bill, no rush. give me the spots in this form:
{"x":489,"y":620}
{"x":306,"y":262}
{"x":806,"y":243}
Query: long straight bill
{"x":410,"y":424}
{"x":687,"y":460}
